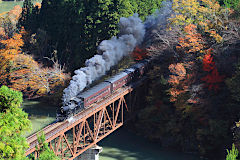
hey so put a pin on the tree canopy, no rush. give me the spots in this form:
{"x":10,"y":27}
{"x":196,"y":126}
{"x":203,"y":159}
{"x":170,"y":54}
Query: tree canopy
{"x":13,"y":124}
{"x":75,"y":28}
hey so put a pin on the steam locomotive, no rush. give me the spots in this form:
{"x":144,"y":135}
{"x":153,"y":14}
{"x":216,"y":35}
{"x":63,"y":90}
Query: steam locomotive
{"x":85,"y":99}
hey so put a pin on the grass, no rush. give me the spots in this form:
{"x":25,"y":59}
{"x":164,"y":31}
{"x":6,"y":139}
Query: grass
{"x":6,"y":6}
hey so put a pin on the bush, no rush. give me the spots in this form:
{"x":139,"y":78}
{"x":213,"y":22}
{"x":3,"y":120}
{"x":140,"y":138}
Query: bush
{"x":232,"y":154}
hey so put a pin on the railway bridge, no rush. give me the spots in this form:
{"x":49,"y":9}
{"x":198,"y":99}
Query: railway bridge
{"x":70,"y":138}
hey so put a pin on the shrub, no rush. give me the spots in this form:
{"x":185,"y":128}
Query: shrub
{"x":232,"y":154}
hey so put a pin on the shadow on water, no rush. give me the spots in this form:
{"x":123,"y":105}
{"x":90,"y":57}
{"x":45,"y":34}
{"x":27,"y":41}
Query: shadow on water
{"x":40,"y":114}
{"x":39,"y":109}
{"x":124,"y":145}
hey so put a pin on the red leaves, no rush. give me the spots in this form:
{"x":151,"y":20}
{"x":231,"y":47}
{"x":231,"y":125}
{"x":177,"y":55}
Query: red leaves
{"x":139,"y":54}
{"x":213,"y":78}
{"x":208,"y":63}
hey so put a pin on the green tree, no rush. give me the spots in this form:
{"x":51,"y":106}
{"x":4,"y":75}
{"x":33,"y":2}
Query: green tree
{"x":231,"y":3}
{"x":29,"y":17}
{"x":125,"y":8}
{"x":146,"y":7}
{"x":232,"y":154}
{"x":75,"y":28}
{"x":13,"y":124}
{"x":25,"y":18}
{"x":44,"y":151}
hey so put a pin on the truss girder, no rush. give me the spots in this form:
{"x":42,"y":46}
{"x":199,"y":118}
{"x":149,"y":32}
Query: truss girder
{"x":69,"y":139}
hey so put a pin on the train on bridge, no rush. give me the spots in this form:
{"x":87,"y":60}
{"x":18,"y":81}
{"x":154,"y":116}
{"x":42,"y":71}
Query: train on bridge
{"x":85,"y":99}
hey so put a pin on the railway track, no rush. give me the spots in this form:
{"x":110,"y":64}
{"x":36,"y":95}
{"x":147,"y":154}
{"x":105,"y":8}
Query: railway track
{"x":52,"y":131}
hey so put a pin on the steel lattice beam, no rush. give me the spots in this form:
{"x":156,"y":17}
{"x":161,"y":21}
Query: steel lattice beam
{"x":69,"y":139}
{"x":89,"y":128}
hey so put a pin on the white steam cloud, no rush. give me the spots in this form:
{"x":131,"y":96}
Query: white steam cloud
{"x":111,"y":51}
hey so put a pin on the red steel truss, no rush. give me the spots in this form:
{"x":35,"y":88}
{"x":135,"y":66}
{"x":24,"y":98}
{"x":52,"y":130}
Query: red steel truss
{"x":70,"y":138}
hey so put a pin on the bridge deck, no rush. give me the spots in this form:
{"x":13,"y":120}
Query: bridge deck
{"x":54,"y":130}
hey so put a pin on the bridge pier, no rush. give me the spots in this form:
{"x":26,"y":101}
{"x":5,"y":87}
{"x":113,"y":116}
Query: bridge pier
{"x":90,"y":154}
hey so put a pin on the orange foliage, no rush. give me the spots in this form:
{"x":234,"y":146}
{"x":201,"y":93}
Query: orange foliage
{"x":174,"y":94}
{"x":15,"y":13}
{"x":8,"y":21}
{"x":139,"y":53}
{"x":12,"y":48}
{"x":193,"y":41}
{"x":31,"y":78}
{"x":213,"y":78}
{"x":2,"y":32}
{"x":178,"y":74}
{"x":23,"y":73}
{"x":13,"y":45}
{"x":39,"y":5}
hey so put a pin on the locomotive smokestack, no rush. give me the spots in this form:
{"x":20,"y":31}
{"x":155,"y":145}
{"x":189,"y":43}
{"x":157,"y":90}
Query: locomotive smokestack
{"x":132,"y":32}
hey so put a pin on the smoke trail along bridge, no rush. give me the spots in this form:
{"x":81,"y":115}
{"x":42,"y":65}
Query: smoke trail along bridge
{"x":71,"y":138}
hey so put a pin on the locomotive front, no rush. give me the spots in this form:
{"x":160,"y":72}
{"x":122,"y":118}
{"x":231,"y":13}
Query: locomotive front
{"x":69,"y":109}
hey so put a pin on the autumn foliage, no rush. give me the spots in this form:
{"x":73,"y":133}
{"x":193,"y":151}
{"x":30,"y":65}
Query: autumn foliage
{"x":15,"y":13}
{"x":139,"y":53}
{"x":193,"y":41}
{"x":178,"y":74}
{"x":8,"y":21}
{"x":212,"y":79}
{"x":21,"y":72}
{"x":208,"y":15}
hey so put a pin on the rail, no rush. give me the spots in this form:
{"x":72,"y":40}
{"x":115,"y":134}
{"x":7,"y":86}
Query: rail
{"x":53,"y":130}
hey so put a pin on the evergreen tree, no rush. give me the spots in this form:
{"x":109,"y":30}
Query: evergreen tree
{"x":125,"y":8}
{"x":29,"y":18}
{"x":145,"y":7}
{"x":77,"y":27}
{"x":25,"y":18}
{"x":13,"y":124}
{"x":44,"y":151}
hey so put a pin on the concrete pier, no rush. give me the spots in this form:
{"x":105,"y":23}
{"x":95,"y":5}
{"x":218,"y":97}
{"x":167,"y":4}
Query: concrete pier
{"x":90,"y":154}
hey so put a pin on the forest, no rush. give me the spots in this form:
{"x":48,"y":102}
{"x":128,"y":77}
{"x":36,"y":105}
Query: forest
{"x":194,"y":91}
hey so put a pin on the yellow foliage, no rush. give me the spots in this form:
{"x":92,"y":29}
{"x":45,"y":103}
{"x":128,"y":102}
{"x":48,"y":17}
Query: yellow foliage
{"x":207,"y":15}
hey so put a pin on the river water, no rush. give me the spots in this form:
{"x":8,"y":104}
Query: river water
{"x":120,"y":145}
